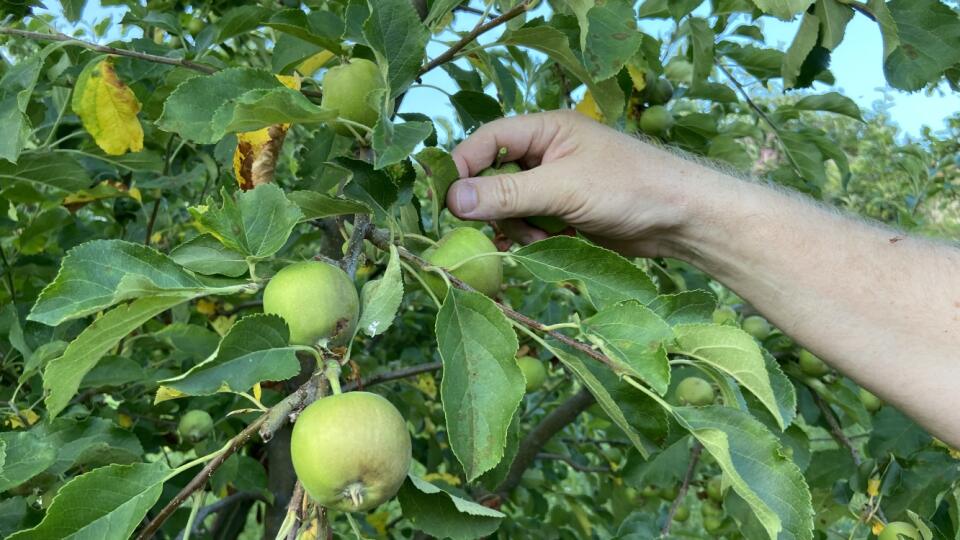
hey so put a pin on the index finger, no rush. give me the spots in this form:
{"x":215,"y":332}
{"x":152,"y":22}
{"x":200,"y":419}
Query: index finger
{"x":526,"y":139}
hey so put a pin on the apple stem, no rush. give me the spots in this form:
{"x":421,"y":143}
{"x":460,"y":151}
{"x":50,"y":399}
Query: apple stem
{"x":332,"y":372}
{"x":500,"y":155}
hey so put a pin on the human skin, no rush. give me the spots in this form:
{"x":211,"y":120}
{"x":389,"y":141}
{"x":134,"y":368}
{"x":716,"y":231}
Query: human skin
{"x":880,"y":306}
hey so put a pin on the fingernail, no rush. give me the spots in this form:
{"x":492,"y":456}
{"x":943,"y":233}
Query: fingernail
{"x":464,"y":197}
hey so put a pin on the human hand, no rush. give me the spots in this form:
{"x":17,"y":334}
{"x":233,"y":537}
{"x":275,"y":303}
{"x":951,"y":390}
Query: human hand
{"x":622,"y":193}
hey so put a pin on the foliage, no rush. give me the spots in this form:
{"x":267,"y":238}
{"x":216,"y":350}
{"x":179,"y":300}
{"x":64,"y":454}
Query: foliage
{"x":151,"y":188}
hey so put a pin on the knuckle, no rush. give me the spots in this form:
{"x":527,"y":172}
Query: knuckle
{"x":507,"y":192}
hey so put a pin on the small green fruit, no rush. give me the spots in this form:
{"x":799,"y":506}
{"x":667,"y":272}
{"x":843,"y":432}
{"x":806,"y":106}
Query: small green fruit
{"x":682,"y":514}
{"x":712,"y":523}
{"x":669,"y":493}
{"x":483,"y":274}
{"x":715,"y":488}
{"x":756,"y":326}
{"x":346,"y":88}
{"x":899,"y":530}
{"x":195,"y":26}
{"x":317,"y":300}
{"x":659,"y":92}
{"x":195,"y":425}
{"x":679,"y":70}
{"x":724,"y":315}
{"x":656,"y":120}
{"x":548,"y":224}
{"x":811,"y":365}
{"x":711,"y":508}
{"x":871,"y":402}
{"x":650,"y":491}
{"x":695,"y":391}
{"x":351,"y":451}
{"x":534,"y":372}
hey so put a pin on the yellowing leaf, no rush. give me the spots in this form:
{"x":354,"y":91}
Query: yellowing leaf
{"x":443,"y":477}
{"x":17,"y":422}
{"x":310,"y":66}
{"x":588,"y":107}
{"x":873,"y":487}
{"x":255,"y":158}
{"x":108,"y":108}
{"x":638,"y":77}
{"x":379,"y":521}
{"x":257,"y":392}
{"x":877,"y":527}
{"x":124,"y":421}
{"x":206,"y":307}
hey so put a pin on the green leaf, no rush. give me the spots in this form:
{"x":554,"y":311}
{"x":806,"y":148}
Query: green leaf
{"x":495,"y":476}
{"x":372,"y":187}
{"x":314,"y":205}
{"x":632,"y":335}
{"x":801,"y":47}
{"x":262,"y":108}
{"x":701,"y":45}
{"x":88,"y":443}
{"x":805,"y":154}
{"x":16,"y":88}
{"x":438,"y":10}
{"x":685,"y":307}
{"x":205,"y":255}
{"x":73,"y":9}
{"x":188,"y":111}
{"x":53,"y":170}
{"x":834,"y":17}
{"x":895,"y":433}
{"x":440,"y":170}
{"x":728,"y":149}
{"x":733,"y":352}
{"x":240,"y":20}
{"x":63,"y":375}
{"x":23,"y":455}
{"x":108,"y":502}
{"x":100,"y":273}
{"x":442,"y":514}
{"x":114,"y":371}
{"x":319,"y":27}
{"x":607,"y":277}
{"x":482,"y":385}
{"x":254,"y":350}
{"x":381,"y":298}
{"x":764,"y":64}
{"x":783,"y":9}
{"x":399,"y":41}
{"x":392,"y":143}
{"x":752,"y":463}
{"x":831,"y":102}
{"x":475,"y":109}
{"x":256,"y":224}
{"x":575,"y":361}
{"x":611,"y":38}
{"x":928,"y":33}
{"x":554,"y":44}
{"x":12,"y":512}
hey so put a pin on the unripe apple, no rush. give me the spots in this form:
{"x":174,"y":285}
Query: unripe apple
{"x":351,"y":451}
{"x":317,"y":300}
{"x":695,"y":391}
{"x":195,"y":425}
{"x":711,"y":508}
{"x":811,"y":365}
{"x":658,"y":91}
{"x":870,"y":402}
{"x":669,"y":493}
{"x":899,"y":530}
{"x":724,"y":315}
{"x":656,"y":120}
{"x":756,"y":326}
{"x":534,"y":372}
{"x":483,"y":273}
{"x":712,"y":523}
{"x":549,"y":224}
{"x":715,"y":488}
{"x":346,"y":88}
{"x":682,"y":514}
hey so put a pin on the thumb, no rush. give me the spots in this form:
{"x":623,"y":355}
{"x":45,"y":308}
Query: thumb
{"x":510,"y":195}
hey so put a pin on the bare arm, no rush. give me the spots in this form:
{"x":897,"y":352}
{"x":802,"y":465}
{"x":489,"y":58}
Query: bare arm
{"x":880,"y":306}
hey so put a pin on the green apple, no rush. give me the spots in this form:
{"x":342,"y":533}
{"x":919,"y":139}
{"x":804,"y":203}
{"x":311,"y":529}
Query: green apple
{"x":756,"y":326}
{"x":483,"y":273}
{"x":658,"y":91}
{"x":346,"y":88}
{"x":811,"y":365}
{"x":871,"y":402}
{"x":534,"y":372}
{"x":712,"y":523}
{"x":682,"y":514}
{"x":195,"y":425}
{"x":317,"y":300}
{"x":549,"y":224}
{"x":715,"y":488}
{"x":724,"y":315}
{"x":695,"y":391}
{"x":656,"y":120}
{"x":899,"y":530}
{"x":669,"y":493}
{"x":711,"y":508}
{"x":351,"y":451}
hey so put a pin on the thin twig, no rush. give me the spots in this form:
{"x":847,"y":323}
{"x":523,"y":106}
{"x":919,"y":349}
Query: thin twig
{"x":352,"y":258}
{"x":9,"y":272}
{"x":836,"y":431}
{"x":475,"y":11}
{"x":180,"y":62}
{"x":152,"y":221}
{"x":573,"y":464}
{"x":691,"y":468}
{"x":393,"y":375}
{"x":295,"y":506}
{"x":381,"y":239}
{"x":598,"y":442}
{"x":467,"y":39}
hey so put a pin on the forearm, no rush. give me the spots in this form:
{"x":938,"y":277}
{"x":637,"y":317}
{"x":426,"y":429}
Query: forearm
{"x":880,"y":306}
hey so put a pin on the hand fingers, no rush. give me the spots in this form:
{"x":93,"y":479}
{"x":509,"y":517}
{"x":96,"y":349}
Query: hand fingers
{"x":537,"y":192}
{"x":520,"y":231}
{"x":526,"y":139}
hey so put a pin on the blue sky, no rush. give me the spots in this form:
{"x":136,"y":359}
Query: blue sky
{"x":857,"y":65}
